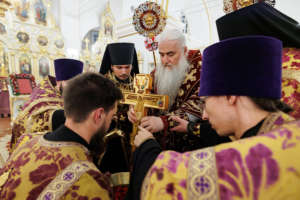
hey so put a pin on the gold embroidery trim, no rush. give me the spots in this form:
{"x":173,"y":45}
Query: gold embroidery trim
{"x":122,"y":86}
{"x":61,"y":183}
{"x":23,"y":113}
{"x":121,"y":178}
{"x":291,"y":74}
{"x":46,"y":82}
{"x":269,"y":122}
{"x":60,"y":144}
{"x":4,"y":177}
{"x":29,"y":123}
{"x":113,"y":132}
{"x":202,"y":180}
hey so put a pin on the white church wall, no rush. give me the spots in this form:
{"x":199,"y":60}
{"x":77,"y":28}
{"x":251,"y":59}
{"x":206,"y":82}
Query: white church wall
{"x":69,"y":25}
{"x":89,"y":15}
{"x":202,"y":19}
{"x":117,"y":7}
{"x":289,"y":7}
{"x":201,"y":32}
{"x":56,"y":11}
{"x":77,"y":17}
{"x":128,"y":6}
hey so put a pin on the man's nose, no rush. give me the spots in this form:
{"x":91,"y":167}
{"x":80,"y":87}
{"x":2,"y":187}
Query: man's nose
{"x":124,"y":70}
{"x":204,"y":115}
{"x":164,"y":60}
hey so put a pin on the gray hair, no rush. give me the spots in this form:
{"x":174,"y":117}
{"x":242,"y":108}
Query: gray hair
{"x":173,"y":34}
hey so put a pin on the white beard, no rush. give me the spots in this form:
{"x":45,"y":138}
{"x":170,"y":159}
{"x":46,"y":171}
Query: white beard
{"x":169,"y":80}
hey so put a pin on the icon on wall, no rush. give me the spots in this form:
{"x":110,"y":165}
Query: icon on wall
{"x":25,"y":64}
{"x":42,"y":40}
{"x":23,"y":37}
{"x":43,"y":67}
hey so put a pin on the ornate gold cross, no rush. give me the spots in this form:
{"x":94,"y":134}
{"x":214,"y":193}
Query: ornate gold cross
{"x":142,"y":99}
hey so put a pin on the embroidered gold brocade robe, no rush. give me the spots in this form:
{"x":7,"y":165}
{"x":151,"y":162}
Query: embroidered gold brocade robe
{"x":262,"y":167}
{"x":186,"y":103}
{"x":42,"y":169}
{"x":36,"y":114}
{"x":291,"y":79}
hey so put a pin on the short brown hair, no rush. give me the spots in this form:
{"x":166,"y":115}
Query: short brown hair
{"x":89,"y":91}
{"x":271,"y":105}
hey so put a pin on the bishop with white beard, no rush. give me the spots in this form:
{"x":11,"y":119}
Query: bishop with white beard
{"x":168,"y":79}
{"x":177,"y":76}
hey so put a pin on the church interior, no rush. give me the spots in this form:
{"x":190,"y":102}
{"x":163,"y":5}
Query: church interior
{"x":33,"y":33}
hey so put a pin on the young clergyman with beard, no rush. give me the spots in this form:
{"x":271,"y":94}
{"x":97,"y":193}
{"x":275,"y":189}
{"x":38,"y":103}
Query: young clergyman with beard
{"x":59,"y":165}
{"x":178,"y":77}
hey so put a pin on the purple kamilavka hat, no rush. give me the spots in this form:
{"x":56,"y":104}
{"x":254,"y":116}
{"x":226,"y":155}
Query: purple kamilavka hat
{"x":243,"y":66}
{"x":66,"y":69}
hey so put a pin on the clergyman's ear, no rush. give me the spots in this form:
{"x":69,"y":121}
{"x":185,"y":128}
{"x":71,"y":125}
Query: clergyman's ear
{"x":98,"y":114}
{"x":231,"y":99}
{"x":185,"y":50}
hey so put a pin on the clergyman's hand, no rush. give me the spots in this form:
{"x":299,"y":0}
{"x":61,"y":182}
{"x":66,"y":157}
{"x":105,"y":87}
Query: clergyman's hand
{"x":142,"y":136}
{"x":131,"y":115}
{"x":182,"y":124}
{"x":152,"y":124}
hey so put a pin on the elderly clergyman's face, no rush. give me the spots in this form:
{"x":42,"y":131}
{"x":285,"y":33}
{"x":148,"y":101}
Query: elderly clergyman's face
{"x":170,"y":53}
{"x":170,"y":74}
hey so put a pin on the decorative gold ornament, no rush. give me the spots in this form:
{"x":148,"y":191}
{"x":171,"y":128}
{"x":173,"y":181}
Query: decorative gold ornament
{"x":149,"y":19}
{"x":233,"y":5}
{"x":244,"y":3}
{"x":3,"y":71}
{"x":4,"y":4}
{"x":142,"y":99}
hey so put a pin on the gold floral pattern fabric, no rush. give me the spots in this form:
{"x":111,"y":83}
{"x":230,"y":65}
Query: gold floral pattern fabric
{"x":36,"y":114}
{"x":121,"y":85}
{"x":291,"y":79}
{"x":261,"y":167}
{"x":187,"y":100}
{"x":41,"y":169}
{"x":233,"y":5}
